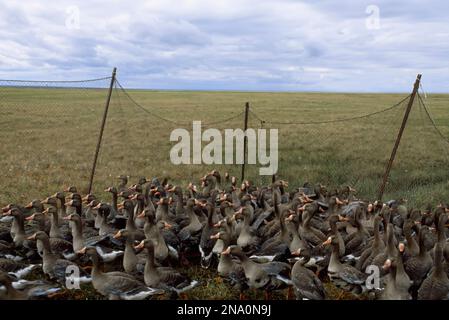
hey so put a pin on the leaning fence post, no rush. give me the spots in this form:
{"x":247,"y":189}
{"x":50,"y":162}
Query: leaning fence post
{"x":103,"y":123}
{"x":245,"y":140}
{"x":398,"y":139}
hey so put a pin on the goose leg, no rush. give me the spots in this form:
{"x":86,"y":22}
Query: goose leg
{"x":267,"y":295}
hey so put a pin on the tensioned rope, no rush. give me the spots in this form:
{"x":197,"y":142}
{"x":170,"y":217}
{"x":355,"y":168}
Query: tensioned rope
{"x":56,"y":81}
{"x":431,"y":119}
{"x":333,"y":120}
{"x":173,"y":121}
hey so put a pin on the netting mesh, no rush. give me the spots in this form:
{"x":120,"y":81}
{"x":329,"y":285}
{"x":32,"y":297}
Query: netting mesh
{"x":49,"y":132}
{"x":47,"y":135}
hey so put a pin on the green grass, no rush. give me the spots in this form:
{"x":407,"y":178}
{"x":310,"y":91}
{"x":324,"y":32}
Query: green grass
{"x":48,"y":139}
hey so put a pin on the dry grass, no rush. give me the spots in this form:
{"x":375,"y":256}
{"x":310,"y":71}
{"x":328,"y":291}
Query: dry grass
{"x":48,"y":139}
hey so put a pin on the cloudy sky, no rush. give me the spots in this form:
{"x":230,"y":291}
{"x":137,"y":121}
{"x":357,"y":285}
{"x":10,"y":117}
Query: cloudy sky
{"x":286,"y":45}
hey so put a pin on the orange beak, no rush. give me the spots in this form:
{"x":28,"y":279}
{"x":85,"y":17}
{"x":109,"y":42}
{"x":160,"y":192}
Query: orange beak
{"x":7,"y":213}
{"x":338,"y":201}
{"x":327,"y":242}
{"x":120,"y":205}
{"x":97,"y":206}
{"x":82,"y":251}
{"x":29,"y":205}
{"x":215,"y":236}
{"x":33,"y":237}
{"x":69,"y":217}
{"x":141,"y":245}
{"x":30,"y":217}
{"x":118,"y":235}
{"x":226,"y":251}
{"x":141,"y":215}
{"x":167,"y":225}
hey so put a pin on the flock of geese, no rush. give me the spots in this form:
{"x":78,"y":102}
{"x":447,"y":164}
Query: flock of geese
{"x":265,"y":238}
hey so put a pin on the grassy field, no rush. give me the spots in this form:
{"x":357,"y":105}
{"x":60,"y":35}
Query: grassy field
{"x":48,"y":139}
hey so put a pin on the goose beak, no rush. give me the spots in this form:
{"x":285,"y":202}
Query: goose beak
{"x":338,"y":201}
{"x":85,"y":198}
{"x":217,"y":225}
{"x":107,"y":190}
{"x":327,"y":242}
{"x":227,"y":251}
{"x":69,"y":217}
{"x":140,"y":245}
{"x":141,"y":215}
{"x":45,"y":201}
{"x":172,"y":189}
{"x":30,"y":217}
{"x":97,"y":206}
{"x":289,"y":218}
{"x":401,"y":247}
{"x":387,"y":264}
{"x":82,"y":251}
{"x":133,"y":197}
{"x":296,"y":252}
{"x":121,"y":205}
{"x":223,"y":198}
{"x":167,"y":225}
{"x":33,"y":237}
{"x":69,"y":203}
{"x":29,"y":205}
{"x":341,"y":218}
{"x":7,"y":213}
{"x":215,"y":236}
{"x":45,"y":211}
{"x":118,"y":235}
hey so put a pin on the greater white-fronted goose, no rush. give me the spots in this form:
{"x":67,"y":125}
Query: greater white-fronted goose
{"x":436,"y":285}
{"x":268,"y":276}
{"x":418,"y":266}
{"x":306,"y":283}
{"x":31,"y":290}
{"x":115,"y":285}
{"x":163,"y":277}
{"x":52,"y":265}
{"x":131,"y":261}
{"x":352,"y":278}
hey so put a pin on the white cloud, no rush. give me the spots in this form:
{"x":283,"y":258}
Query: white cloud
{"x":246,"y":44}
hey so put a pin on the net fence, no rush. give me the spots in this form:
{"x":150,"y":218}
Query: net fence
{"x":49,"y":132}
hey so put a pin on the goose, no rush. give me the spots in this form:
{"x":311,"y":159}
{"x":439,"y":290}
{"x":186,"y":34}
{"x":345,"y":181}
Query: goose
{"x":377,"y":247}
{"x":31,"y":290}
{"x":52,"y":265}
{"x":418,"y":266}
{"x":267,"y":276}
{"x":58,"y":246}
{"x":436,"y":285}
{"x":115,"y":285}
{"x":152,"y":231}
{"x":131,"y":261}
{"x":307,"y":285}
{"x":163,"y":277}
{"x":351,"y":278}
